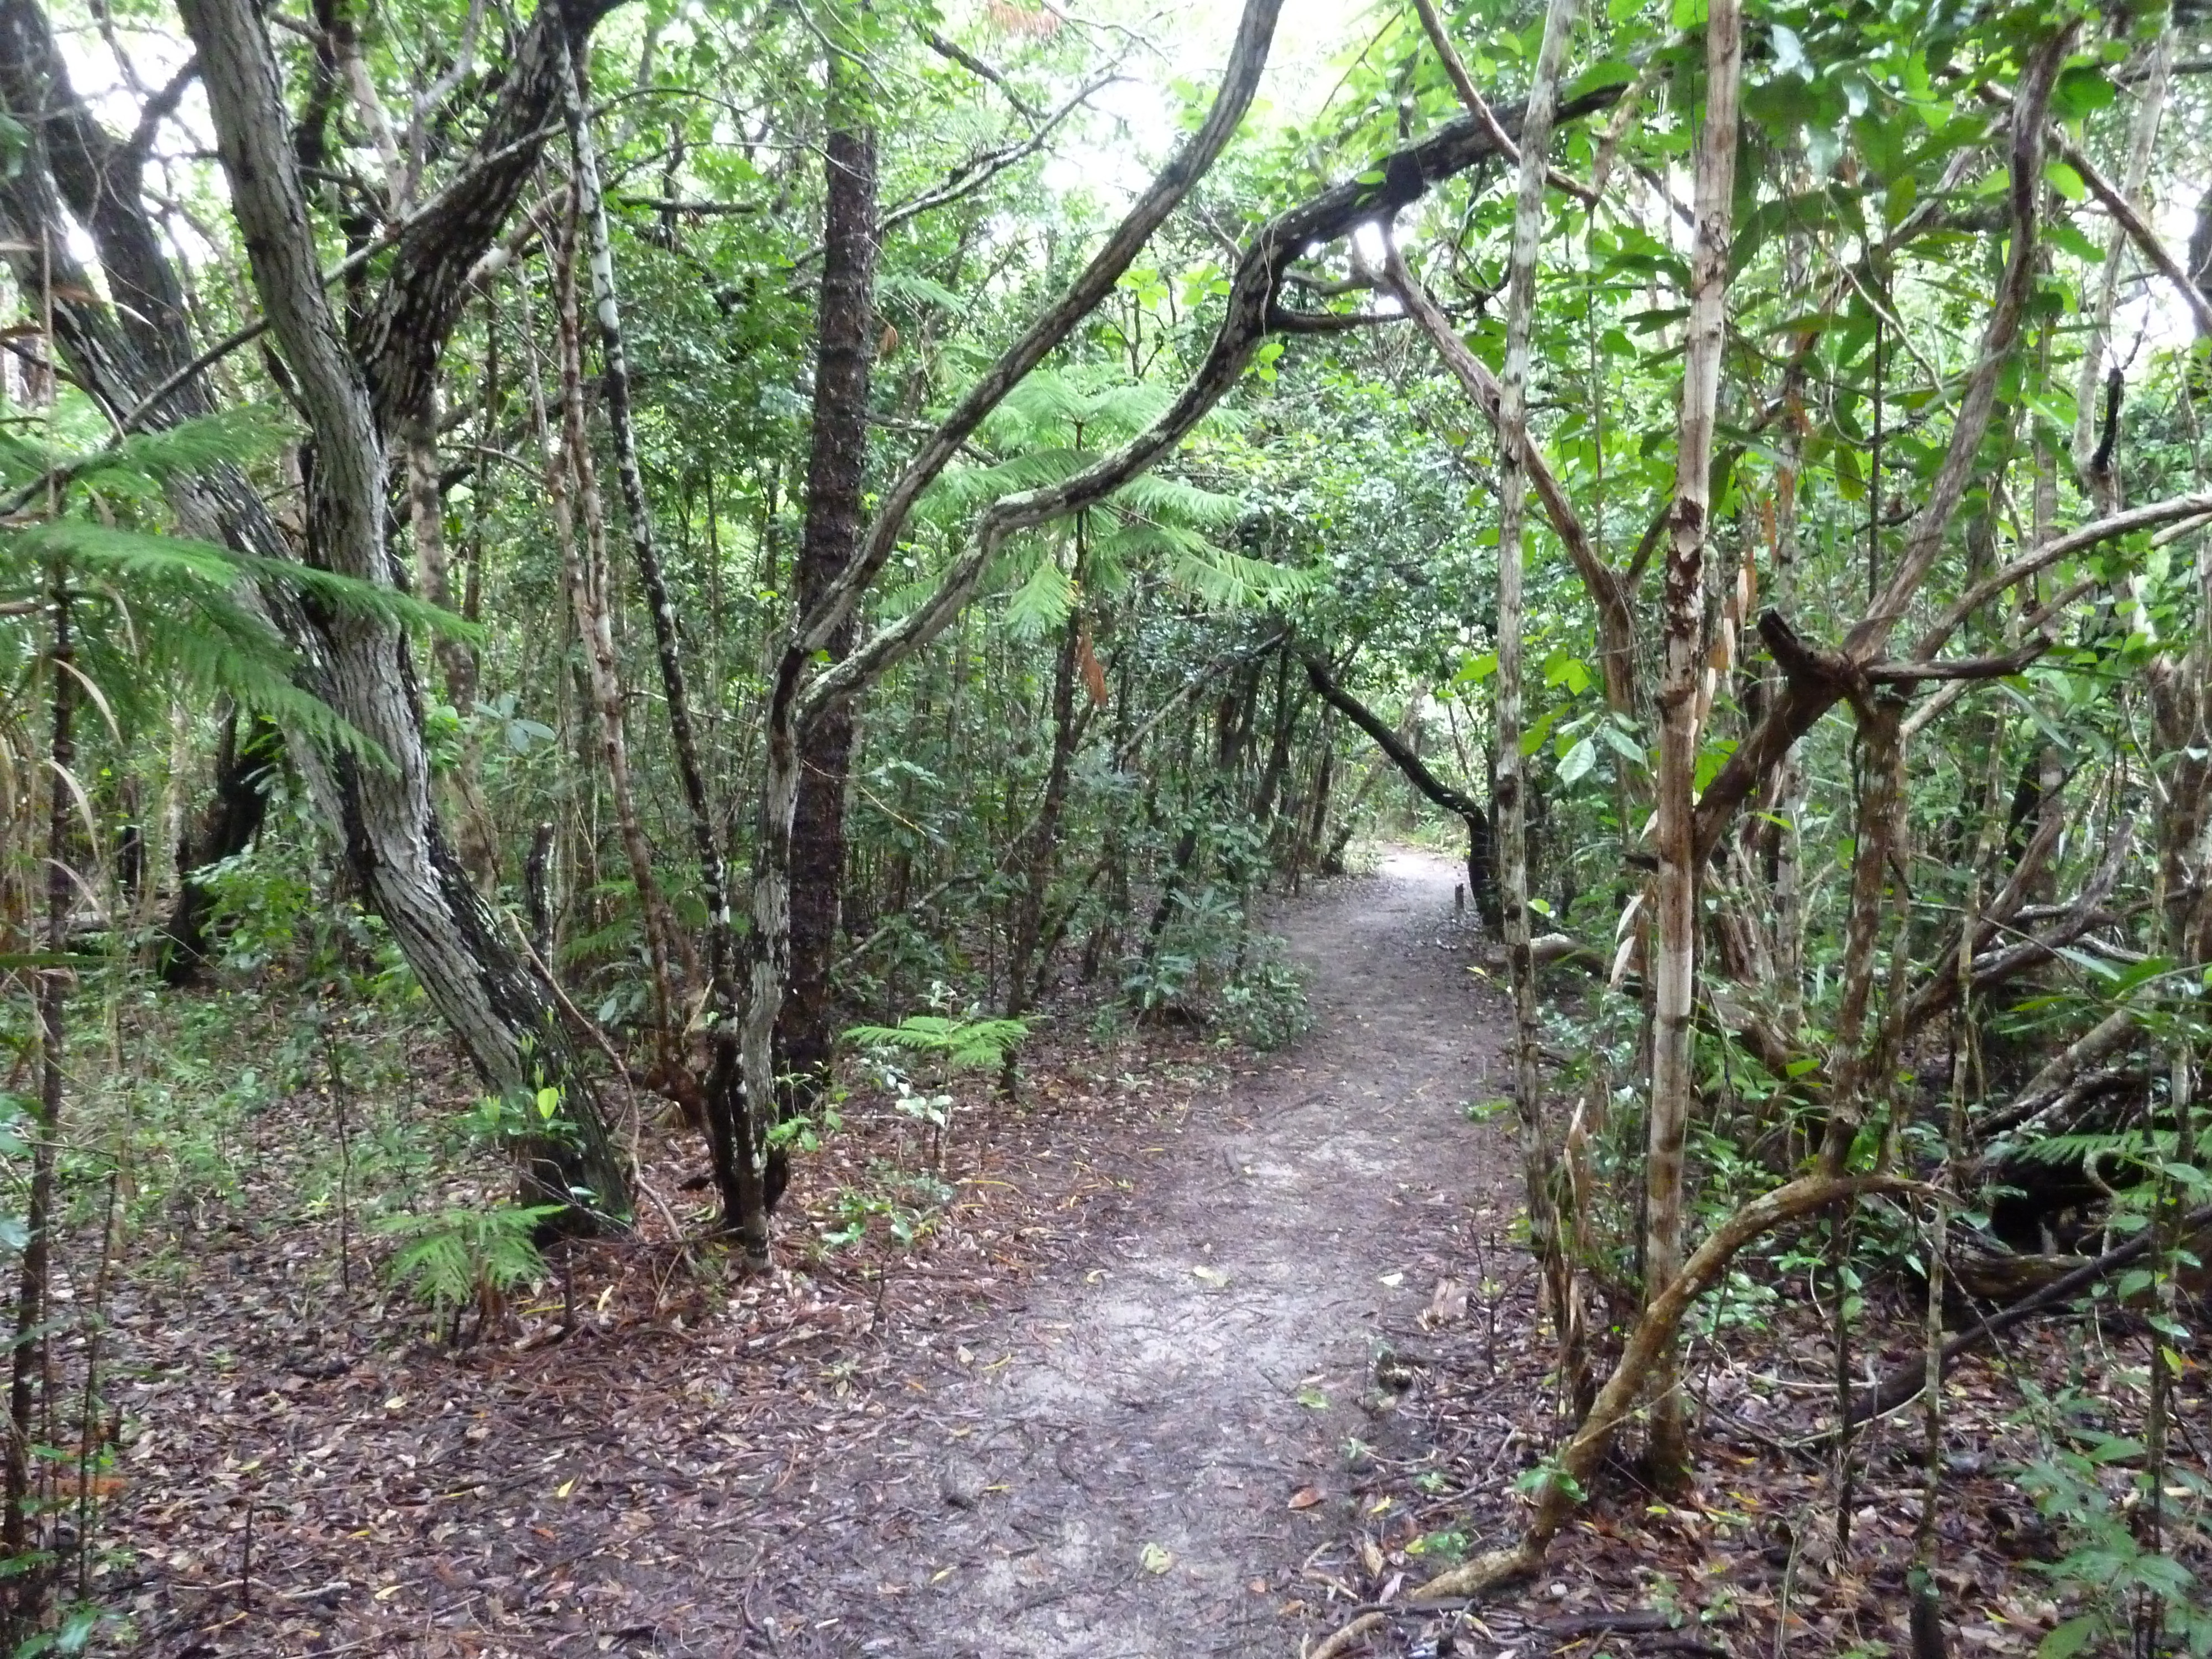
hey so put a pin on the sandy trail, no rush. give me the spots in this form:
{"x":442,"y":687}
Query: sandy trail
{"x":1117,"y":1475}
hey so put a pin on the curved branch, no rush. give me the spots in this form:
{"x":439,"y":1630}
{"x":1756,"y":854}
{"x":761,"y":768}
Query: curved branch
{"x":1376,"y":194}
{"x":1416,"y":770}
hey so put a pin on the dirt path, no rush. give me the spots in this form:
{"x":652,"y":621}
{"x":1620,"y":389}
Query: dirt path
{"x":1118,"y":1478}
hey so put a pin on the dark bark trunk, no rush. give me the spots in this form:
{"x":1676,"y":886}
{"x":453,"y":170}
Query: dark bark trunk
{"x":244,"y":769}
{"x":837,"y":469}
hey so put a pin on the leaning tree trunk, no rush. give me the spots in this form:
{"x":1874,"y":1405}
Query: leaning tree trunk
{"x":503,"y":1014}
{"x":1675,"y":966}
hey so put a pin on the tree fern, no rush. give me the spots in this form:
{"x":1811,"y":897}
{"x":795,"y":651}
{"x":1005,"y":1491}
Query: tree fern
{"x":158,"y":611}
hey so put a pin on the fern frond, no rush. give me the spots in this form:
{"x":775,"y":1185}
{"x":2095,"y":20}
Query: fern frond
{"x":1176,"y":502}
{"x":1046,"y":396}
{"x":918,"y":291}
{"x":1233,"y":581}
{"x":1041,"y":603}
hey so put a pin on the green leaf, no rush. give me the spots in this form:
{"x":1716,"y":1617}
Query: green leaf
{"x":2069,"y":1639}
{"x":1578,"y":762}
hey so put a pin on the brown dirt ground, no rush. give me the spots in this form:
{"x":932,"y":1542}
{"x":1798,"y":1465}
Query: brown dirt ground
{"x":1114,"y":1404}
{"x":1203,"y":1352}
{"x":1145,"y":1458}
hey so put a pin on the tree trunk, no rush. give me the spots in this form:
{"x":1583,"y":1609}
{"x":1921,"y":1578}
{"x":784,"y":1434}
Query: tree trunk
{"x":630,"y":472}
{"x":1674,"y":968}
{"x":584,"y":567}
{"x":837,"y":471}
{"x":245,"y":772}
{"x":504,"y":1016}
{"x":456,"y":657}
{"x":1509,"y":799}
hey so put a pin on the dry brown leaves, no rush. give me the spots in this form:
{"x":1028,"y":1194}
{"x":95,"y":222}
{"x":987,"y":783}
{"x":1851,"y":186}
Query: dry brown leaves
{"x":304,"y":1468}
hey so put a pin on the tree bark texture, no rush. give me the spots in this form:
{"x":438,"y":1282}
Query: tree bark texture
{"x":630,"y":472}
{"x":1673,"y":1082}
{"x":504,"y":1015}
{"x":1509,"y":799}
{"x":836,"y":470}
{"x":584,"y":567}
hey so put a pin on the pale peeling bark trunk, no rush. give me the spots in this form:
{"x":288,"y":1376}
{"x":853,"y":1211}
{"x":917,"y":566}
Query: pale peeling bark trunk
{"x":1807,"y":695}
{"x":1675,"y":964}
{"x":585,"y":567}
{"x":629,"y":473}
{"x":1509,"y":801}
{"x":504,"y":1016}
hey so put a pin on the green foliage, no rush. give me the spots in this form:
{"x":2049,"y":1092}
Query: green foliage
{"x":2093,"y":1485}
{"x":459,"y":1257}
{"x":957,"y":1044}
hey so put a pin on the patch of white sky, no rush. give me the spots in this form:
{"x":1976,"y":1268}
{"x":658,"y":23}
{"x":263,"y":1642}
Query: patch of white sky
{"x":1114,"y":158}
{"x":1189,"y":43}
{"x":116,"y":70}
{"x":1172,"y":50}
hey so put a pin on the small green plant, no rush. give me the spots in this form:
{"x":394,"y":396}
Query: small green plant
{"x":907,"y":1204}
{"x":955,"y":1043}
{"x":457,"y":1258}
{"x":2091,"y":1484}
{"x":1263,"y":1005}
{"x":1450,"y":1544}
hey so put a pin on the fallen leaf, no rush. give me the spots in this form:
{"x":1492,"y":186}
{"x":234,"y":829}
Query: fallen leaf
{"x":1305,"y":1497}
{"x":1212,"y":1276}
{"x":1154,"y":1557}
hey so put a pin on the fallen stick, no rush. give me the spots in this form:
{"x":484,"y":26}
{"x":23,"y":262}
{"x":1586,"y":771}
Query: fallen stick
{"x":1343,"y":1641}
{"x":1904,"y":1385}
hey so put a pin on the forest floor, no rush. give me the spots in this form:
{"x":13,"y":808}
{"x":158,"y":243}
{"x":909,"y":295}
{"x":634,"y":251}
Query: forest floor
{"x":1193,"y":1352}
{"x":1114,"y":1405}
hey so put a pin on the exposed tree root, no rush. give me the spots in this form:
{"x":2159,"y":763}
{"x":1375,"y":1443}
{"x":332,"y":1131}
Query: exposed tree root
{"x":1563,"y":1487}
